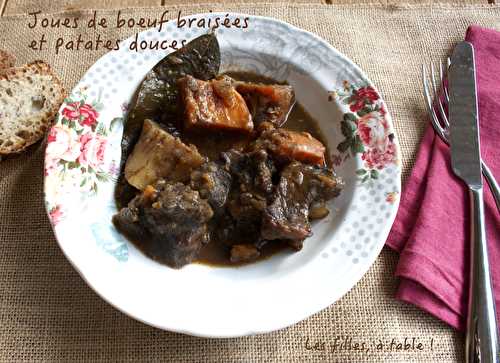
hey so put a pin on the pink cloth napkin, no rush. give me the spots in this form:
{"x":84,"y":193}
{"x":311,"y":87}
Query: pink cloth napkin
{"x":431,"y":230}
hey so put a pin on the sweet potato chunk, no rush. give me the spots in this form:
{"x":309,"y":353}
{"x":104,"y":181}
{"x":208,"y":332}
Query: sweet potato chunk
{"x":158,"y":154}
{"x":267,"y":102}
{"x":214,"y":105}
{"x":291,"y":145}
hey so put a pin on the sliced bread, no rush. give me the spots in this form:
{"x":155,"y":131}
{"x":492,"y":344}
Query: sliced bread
{"x":30,"y":97}
{"x":7,"y":60}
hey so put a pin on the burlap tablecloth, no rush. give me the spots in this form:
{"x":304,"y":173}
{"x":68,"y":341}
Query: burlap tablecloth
{"x":47,"y":312}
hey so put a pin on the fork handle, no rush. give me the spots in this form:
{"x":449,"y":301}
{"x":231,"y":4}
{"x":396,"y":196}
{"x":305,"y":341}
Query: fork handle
{"x":490,"y":179}
{"x":481,"y":338}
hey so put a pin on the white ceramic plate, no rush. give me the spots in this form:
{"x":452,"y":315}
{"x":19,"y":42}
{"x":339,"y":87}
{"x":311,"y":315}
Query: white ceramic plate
{"x":83,"y":153}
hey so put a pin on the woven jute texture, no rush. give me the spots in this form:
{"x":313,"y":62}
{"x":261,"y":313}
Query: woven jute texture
{"x":47,"y":6}
{"x":48,"y":313}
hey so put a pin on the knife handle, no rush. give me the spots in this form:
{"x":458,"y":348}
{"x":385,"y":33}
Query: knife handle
{"x":481,"y":338}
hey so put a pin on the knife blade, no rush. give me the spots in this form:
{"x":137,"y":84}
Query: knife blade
{"x":464,"y":117}
{"x":481,"y":340}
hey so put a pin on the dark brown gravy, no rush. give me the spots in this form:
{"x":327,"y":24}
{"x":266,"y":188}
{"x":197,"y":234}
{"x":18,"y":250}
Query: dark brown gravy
{"x":215,"y":253}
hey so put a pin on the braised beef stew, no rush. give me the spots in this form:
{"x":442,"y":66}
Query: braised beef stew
{"x":224,"y":169}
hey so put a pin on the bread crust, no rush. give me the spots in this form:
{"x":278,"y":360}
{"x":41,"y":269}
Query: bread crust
{"x":7,"y":60}
{"x":37,"y":67}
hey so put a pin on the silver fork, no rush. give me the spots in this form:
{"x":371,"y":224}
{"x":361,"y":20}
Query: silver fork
{"x":441,"y":125}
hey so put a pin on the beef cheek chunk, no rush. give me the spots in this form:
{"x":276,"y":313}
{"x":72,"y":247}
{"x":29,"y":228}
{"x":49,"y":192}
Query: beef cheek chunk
{"x":169,"y":221}
{"x":252,"y":187}
{"x":267,"y":102}
{"x":300,"y":186}
{"x":214,"y":105}
{"x":158,"y":154}
{"x":213,"y":182}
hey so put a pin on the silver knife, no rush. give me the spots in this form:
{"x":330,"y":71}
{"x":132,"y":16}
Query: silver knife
{"x":481,"y":336}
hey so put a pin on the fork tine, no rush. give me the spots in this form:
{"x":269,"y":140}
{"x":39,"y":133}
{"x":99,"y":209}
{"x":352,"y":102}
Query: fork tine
{"x":439,"y":130}
{"x":432,"y":113}
{"x":438,"y":91}
{"x":427,"y":97}
{"x":448,"y":64}
{"x":443,"y":74}
{"x":433,"y":81}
